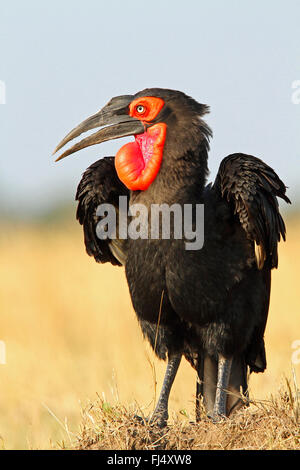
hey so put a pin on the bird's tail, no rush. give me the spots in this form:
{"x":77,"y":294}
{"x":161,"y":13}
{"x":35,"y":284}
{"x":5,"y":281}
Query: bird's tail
{"x":237,"y":392}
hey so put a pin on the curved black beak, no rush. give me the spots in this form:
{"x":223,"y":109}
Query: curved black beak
{"x":114,"y":115}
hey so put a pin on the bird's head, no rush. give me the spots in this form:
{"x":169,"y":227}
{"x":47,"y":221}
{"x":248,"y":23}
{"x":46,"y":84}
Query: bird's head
{"x":163,"y":122}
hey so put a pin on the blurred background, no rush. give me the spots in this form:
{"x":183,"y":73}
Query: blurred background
{"x":66,"y":323}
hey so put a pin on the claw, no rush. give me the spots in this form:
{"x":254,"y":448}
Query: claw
{"x":155,"y":420}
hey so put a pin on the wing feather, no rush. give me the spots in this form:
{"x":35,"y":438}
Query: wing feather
{"x":100,"y":184}
{"x":252,"y":188}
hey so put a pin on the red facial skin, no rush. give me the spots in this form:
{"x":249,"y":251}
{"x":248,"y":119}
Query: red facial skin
{"x":138,"y":163}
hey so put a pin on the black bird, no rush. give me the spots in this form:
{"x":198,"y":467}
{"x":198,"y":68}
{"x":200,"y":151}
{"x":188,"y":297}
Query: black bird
{"x":210,"y":304}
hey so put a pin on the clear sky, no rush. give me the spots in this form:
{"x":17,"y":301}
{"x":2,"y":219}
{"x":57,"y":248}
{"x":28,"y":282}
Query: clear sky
{"x":61,"y":61}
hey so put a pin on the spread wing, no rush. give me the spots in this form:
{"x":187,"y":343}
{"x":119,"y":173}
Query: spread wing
{"x":251,"y":188}
{"x":100,"y":185}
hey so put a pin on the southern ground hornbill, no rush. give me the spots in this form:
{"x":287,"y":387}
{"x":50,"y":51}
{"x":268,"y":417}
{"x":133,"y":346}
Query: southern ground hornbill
{"x":210,"y":304}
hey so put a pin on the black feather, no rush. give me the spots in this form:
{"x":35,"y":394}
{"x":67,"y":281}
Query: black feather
{"x":99,"y":184}
{"x":252,"y":187}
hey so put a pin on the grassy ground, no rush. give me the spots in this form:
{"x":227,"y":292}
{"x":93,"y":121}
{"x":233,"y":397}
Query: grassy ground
{"x":269,"y":425}
{"x":76,"y":362}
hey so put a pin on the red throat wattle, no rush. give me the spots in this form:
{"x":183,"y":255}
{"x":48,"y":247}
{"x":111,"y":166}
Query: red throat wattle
{"x":138,"y":163}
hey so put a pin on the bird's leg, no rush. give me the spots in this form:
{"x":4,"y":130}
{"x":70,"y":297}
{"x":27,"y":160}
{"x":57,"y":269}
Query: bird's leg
{"x":199,"y":394}
{"x":199,"y":385}
{"x":224,"y":368}
{"x":160,"y":415}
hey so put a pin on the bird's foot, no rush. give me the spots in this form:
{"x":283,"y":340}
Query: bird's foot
{"x":140,"y":419}
{"x":217,"y":417}
{"x":158,"y":419}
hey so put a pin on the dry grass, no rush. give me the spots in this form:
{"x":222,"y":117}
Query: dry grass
{"x":71,"y":334}
{"x":267,"y":425}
